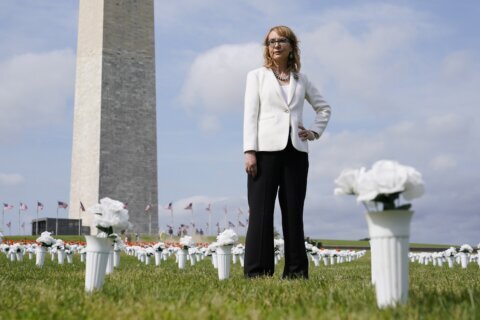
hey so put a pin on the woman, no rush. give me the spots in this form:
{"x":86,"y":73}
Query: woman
{"x":275,"y":147}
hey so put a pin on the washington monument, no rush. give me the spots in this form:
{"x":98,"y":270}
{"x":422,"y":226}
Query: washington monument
{"x":114,"y":133}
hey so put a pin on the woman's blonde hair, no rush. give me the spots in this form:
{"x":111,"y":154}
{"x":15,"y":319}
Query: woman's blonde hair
{"x":293,"y":63}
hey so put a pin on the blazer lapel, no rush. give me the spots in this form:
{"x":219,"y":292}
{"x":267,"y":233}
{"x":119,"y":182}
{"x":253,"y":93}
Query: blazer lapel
{"x":277,"y":87}
{"x":293,"y":86}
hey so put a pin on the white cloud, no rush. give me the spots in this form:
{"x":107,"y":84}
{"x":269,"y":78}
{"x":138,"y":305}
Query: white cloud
{"x":216,"y":79}
{"x":443,"y":162}
{"x":34,"y":90}
{"x":210,"y":123}
{"x":11,"y":179}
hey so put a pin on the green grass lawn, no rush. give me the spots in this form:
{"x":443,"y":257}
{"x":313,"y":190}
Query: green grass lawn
{"x":137,"y":291}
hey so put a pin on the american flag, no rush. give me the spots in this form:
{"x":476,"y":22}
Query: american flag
{"x":125,"y":205}
{"x":23,"y":207}
{"x":230,"y":224}
{"x":193,"y":225}
{"x":23,"y":225}
{"x":241,"y":224}
{"x":82,"y":207}
{"x":239,"y":211}
{"x":148,"y":207}
{"x":169,"y":226}
{"x":209,"y":207}
{"x":9,"y":224}
{"x":169,"y":207}
{"x":62,"y":205}
{"x":39,"y":205}
{"x":7,"y":206}
{"x":189,"y":207}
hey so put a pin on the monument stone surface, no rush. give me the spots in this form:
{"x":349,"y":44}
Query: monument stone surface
{"x":114,"y":151}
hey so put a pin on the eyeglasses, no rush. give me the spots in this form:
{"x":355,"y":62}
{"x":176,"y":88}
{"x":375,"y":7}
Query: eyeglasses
{"x":280,"y":41}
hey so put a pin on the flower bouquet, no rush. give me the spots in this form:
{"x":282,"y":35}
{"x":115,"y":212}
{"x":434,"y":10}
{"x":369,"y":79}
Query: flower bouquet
{"x":464,"y":252}
{"x":149,"y":253}
{"x":212,"y":251}
{"x":110,"y":216}
{"x":158,"y":247}
{"x":380,"y":190}
{"x":225,"y":242}
{"x":186,"y":242}
{"x":118,"y":246}
{"x":59,"y":247}
{"x":478,"y":254}
{"x":278,"y":249}
{"x":45,"y":241}
{"x":16,"y":251}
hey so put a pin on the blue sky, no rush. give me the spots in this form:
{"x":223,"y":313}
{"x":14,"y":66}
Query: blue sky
{"x":402,"y":78}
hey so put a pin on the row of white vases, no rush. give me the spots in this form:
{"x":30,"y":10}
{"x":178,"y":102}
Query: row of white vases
{"x":439,"y":259}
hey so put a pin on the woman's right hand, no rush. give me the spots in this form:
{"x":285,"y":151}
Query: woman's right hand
{"x":251,"y":163}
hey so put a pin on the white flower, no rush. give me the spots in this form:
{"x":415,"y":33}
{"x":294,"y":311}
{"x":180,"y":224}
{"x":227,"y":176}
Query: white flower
{"x":414,"y":187}
{"x":383,"y":183}
{"x":159,"y":246}
{"x":227,"y":237}
{"x":110,"y":216}
{"x":187,"y":242}
{"x":347,"y":182}
{"x":45,"y":239}
{"x":466,"y":248}
{"x":59,"y":244}
{"x":150,"y":251}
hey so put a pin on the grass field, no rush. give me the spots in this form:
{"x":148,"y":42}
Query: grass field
{"x":137,"y":291}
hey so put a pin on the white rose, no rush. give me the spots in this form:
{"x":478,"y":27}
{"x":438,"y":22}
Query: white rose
{"x":227,"y":237}
{"x":347,"y":182}
{"x":414,"y":187}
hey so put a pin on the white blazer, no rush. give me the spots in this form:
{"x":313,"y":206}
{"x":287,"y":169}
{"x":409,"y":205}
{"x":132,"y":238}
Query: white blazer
{"x":267,"y":116}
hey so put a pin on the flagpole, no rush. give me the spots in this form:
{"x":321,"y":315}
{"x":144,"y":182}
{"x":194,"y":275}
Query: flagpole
{"x":150,"y":223}
{"x":79,"y":220}
{"x":56,"y":224}
{"x":210,"y":222}
{"x":19,"y":231}
{"x":36,"y":225}
{"x":171,"y":213}
{"x":238,"y":220}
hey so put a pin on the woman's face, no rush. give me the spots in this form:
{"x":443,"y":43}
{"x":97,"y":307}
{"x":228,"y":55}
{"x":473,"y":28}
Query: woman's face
{"x":278,"y":46}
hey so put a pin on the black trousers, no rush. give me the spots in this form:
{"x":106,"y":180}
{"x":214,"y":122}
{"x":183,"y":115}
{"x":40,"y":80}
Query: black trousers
{"x":283,"y":172}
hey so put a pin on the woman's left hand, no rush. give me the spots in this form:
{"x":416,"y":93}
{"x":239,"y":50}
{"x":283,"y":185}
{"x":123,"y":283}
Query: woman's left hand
{"x":305,"y":134}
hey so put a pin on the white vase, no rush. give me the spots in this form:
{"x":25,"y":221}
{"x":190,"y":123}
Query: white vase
{"x":389,"y":235}
{"x":158,"y":258}
{"x":116,"y":259}
{"x":450,"y":261}
{"x":234,"y":258}
{"x":242,"y":259}
{"x":182,"y":258}
{"x":40,"y":256}
{"x":83,"y":256}
{"x":325,"y":260}
{"x":70,"y":258}
{"x":316,"y":260}
{"x":98,"y":250}
{"x":147,"y":259}
{"x":193,"y":259}
{"x":478,"y":259}
{"x":214,"y":260}
{"x":30,"y":255}
{"x":61,"y":256}
{"x":52,"y":256}
{"x":224,"y":255}
{"x":19,"y":256}
{"x":463,"y":260}
{"x":109,"y":268}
